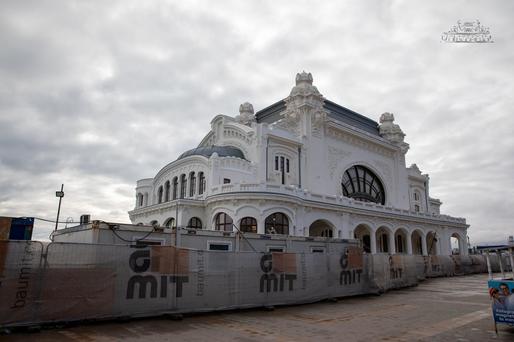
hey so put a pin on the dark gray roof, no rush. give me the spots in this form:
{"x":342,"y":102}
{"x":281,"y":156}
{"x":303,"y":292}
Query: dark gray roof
{"x":350,"y":117}
{"x":272,"y":113}
{"x":207,"y":151}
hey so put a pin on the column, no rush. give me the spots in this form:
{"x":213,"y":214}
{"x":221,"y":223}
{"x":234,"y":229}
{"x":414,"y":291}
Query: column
{"x":392,"y":244}
{"x":408,"y":242}
{"x":464,"y":250}
{"x":424,"y":244}
{"x":373,"y":242}
{"x":260,"y":225}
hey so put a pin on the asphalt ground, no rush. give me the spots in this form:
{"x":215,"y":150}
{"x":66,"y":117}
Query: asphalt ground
{"x":441,"y":309}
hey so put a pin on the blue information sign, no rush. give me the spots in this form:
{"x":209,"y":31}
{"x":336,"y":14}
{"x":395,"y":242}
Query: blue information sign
{"x":21,"y":228}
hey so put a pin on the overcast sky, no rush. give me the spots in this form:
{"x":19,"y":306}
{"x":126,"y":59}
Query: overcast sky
{"x":96,"y":95}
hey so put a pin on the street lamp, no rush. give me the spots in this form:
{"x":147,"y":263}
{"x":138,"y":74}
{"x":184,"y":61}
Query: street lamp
{"x":59,"y":194}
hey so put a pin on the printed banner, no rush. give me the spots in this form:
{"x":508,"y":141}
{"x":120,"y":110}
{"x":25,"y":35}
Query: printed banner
{"x":502,"y":297}
{"x":85,"y":281}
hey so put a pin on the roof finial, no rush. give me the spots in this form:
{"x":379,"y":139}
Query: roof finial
{"x":304,"y":78}
{"x":246,"y":114}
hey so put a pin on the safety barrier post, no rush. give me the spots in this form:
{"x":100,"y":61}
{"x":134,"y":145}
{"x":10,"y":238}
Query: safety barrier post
{"x":499,"y":253}
{"x":489,"y":270}
{"x":511,"y":261}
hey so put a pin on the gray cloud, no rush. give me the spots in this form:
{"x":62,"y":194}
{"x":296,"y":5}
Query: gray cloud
{"x":98,"y":95}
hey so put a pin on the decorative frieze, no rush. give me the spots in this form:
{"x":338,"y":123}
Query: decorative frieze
{"x":354,"y":140}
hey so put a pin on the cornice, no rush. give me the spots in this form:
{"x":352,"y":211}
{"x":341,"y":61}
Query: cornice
{"x":359,"y":138}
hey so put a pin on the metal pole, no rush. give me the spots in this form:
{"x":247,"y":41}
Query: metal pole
{"x":511,"y":250}
{"x":244,"y":237}
{"x":499,"y":253}
{"x":59,"y":194}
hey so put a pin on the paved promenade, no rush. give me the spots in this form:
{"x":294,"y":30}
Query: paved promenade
{"x":442,"y":309}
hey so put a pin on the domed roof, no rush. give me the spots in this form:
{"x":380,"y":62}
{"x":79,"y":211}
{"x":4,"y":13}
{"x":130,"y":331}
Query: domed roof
{"x":207,"y":151}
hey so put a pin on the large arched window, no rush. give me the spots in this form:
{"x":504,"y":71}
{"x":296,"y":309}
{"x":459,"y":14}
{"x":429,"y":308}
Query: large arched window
{"x":195,"y":223}
{"x":159,"y":195}
{"x":167,"y":191}
{"x":175,"y":186}
{"x":277,"y":223}
{"x":361,"y":184}
{"x":192,"y":184}
{"x":170,"y":223}
{"x":183,"y":186}
{"x":223,"y":222}
{"x":201,"y":180}
{"x":248,"y":225}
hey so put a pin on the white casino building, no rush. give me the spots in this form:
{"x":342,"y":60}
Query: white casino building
{"x":304,"y":166}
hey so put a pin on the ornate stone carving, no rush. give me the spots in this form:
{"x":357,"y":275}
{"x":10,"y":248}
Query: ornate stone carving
{"x":304,"y":86}
{"x":290,"y":122}
{"x":392,"y":132}
{"x":415,"y":169}
{"x":304,"y":100}
{"x":246,"y":114}
{"x":317,"y":120}
{"x":357,"y":141}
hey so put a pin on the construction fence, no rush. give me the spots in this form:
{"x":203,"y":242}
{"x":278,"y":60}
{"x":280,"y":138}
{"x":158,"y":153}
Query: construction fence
{"x":63,"y":282}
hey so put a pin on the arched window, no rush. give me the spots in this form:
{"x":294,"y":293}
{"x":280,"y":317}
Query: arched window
{"x":140,"y":199}
{"x":195,"y":223}
{"x":399,"y":243}
{"x":175,"y":186}
{"x":277,"y":223}
{"x":416,"y":196}
{"x":363,"y":233}
{"x":362,"y":184}
{"x":159,"y":195}
{"x":327,"y":233}
{"x":170,"y":223}
{"x":223,"y":222}
{"x":321,"y":228}
{"x":201,"y":180}
{"x":417,"y":201}
{"x":192,"y":184}
{"x":167,"y":191}
{"x":183,"y":186}
{"x":248,"y":225}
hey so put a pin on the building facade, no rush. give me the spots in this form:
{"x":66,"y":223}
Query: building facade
{"x":304,"y":166}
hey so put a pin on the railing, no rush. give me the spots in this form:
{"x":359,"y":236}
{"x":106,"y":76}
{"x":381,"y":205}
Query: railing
{"x":308,"y":196}
{"x":329,"y":199}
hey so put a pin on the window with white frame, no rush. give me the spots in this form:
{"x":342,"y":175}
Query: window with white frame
{"x":282,"y":165}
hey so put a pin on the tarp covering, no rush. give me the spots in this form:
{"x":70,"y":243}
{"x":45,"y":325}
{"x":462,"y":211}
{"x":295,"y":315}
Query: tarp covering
{"x":69,"y":282}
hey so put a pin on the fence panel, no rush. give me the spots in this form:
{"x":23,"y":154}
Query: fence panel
{"x":69,"y":282}
{"x":20,"y":281}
